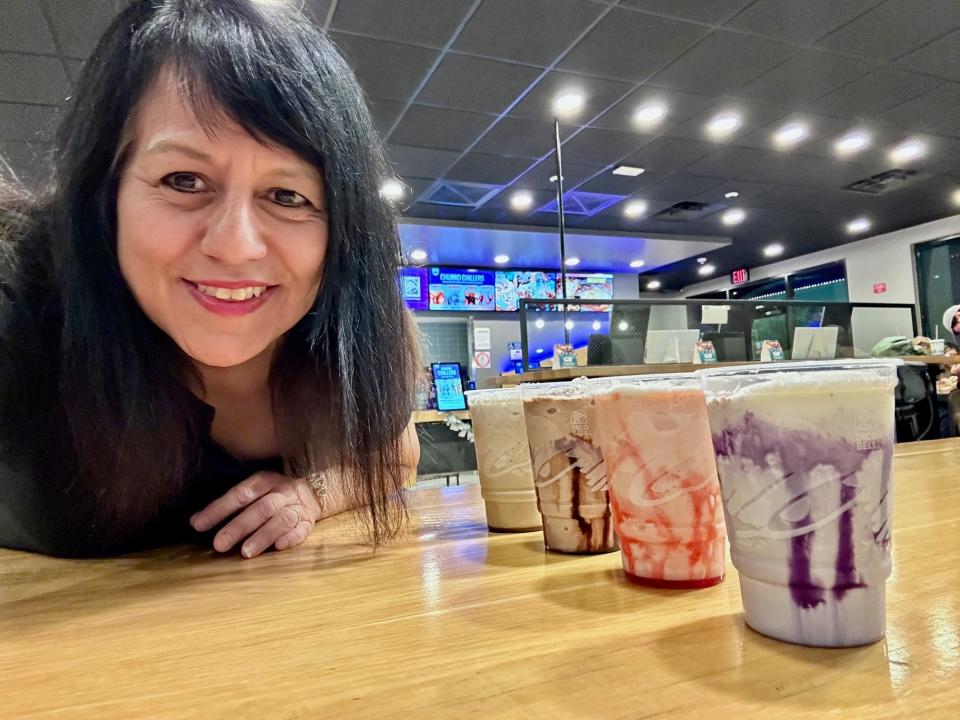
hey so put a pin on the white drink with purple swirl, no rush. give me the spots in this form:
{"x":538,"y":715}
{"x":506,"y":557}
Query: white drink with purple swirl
{"x":804,"y":454}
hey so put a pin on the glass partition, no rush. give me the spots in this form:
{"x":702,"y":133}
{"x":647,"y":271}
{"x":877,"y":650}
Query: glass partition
{"x":640,"y":332}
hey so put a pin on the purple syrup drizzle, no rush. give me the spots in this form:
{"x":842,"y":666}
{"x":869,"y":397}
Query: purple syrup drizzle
{"x":799,"y":452}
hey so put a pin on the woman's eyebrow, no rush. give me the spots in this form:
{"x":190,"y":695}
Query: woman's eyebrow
{"x":172,"y":146}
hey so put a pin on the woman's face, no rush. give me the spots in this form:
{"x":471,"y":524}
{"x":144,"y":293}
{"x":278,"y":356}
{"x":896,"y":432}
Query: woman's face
{"x":220,"y":238}
{"x":956,"y":324}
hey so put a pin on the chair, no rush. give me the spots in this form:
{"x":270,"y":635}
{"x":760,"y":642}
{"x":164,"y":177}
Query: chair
{"x":916,"y":415}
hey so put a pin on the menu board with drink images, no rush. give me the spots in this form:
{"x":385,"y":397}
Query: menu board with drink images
{"x":590,"y":286}
{"x":448,"y":381}
{"x":458,"y":289}
{"x":413,"y":288}
{"x":512,"y":287}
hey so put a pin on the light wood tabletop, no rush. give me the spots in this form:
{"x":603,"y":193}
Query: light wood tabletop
{"x":454,"y":622}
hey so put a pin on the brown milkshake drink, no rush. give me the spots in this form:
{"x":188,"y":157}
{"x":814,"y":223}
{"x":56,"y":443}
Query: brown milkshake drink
{"x":568,"y":469}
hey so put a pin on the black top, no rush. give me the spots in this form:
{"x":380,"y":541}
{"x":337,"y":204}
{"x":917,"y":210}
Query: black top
{"x":43,"y":507}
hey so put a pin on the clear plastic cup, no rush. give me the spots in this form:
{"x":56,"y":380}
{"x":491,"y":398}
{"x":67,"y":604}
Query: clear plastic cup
{"x":804,"y":453}
{"x":664,"y":493}
{"x":503,"y":460}
{"x":568,"y":469}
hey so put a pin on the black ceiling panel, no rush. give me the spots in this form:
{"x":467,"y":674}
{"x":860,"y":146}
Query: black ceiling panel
{"x":484,"y":168}
{"x":410,"y":21}
{"x":598,"y":95}
{"x":440,"y":128}
{"x":388,"y":70}
{"x":807,"y":75}
{"x":704,"y":11}
{"x":799,"y":22}
{"x":477,"y":84}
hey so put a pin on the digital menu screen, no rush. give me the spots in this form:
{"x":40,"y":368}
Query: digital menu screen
{"x":512,"y":287}
{"x":413,"y":288}
{"x":590,"y":286}
{"x":458,"y":289}
{"x":449,"y":384}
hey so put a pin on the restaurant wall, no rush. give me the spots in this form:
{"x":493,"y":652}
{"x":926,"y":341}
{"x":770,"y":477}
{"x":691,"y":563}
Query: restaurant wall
{"x":886,"y":259}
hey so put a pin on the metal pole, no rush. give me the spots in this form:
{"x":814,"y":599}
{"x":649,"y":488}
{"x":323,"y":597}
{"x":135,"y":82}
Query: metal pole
{"x":563,"y":246}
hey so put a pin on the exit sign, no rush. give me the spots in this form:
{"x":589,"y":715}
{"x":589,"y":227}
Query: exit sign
{"x":739,"y":276}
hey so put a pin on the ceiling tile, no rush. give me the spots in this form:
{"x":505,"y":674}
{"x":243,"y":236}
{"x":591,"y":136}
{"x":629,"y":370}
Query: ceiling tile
{"x":600,"y":147}
{"x":74,"y":68}
{"x":753,"y":117}
{"x":484,"y":168}
{"x":78,"y":24}
{"x":941,"y":57}
{"x":553,"y":25}
{"x":410,"y":21}
{"x":874,"y":92}
{"x":680,"y":187}
{"x":807,"y":75}
{"x":820,"y":126}
{"x":23,"y":28}
{"x":469,"y":83}
{"x":666,"y":154}
{"x":610,"y":184}
{"x":385,"y":113}
{"x":27,"y":122}
{"x":628,"y":45}
{"x":680,"y":106}
{"x":723,"y":61}
{"x":385,"y":69}
{"x":712,"y":11}
{"x":517,"y":137}
{"x":806,"y":171}
{"x":750,"y":193}
{"x":440,"y":128}
{"x":317,"y":10}
{"x":32,"y":79}
{"x":573,"y":175}
{"x":598,"y":95}
{"x":420,"y":162}
{"x":729,"y":162}
{"x":932,"y":111}
{"x":436,"y":212}
{"x":894,"y":28}
{"x":30,"y":162}
{"x":799,"y":22}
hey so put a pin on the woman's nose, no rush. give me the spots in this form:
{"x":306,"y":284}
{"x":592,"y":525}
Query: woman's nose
{"x":232,"y":235}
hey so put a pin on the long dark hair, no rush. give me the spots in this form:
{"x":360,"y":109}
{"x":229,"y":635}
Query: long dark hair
{"x":342,"y":379}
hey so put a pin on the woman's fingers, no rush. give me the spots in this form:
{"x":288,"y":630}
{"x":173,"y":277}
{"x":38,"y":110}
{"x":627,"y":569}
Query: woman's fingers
{"x":234,"y":500}
{"x":244,"y":524}
{"x":289,"y":520}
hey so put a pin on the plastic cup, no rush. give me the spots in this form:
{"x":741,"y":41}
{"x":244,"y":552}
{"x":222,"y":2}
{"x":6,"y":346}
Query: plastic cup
{"x":503,"y":460}
{"x":664,"y":493}
{"x":804,"y":455}
{"x":568,"y":470}
{"x":937,"y":347}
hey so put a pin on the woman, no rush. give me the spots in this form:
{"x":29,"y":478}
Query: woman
{"x":200,"y":323}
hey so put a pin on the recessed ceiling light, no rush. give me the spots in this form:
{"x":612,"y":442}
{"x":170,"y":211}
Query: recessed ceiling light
{"x":568,"y":102}
{"x":623,"y":326}
{"x":501,"y":259}
{"x":653,"y":285}
{"x":732,"y":194}
{"x":701,"y":260}
{"x":391,"y":189}
{"x":637,"y":264}
{"x":539,"y":324}
{"x":907,"y":151}
{"x":521,"y":200}
{"x":553,"y":178}
{"x":572,"y":261}
{"x":791,"y":134}
{"x":650,"y":113}
{"x":773,"y":250}
{"x":706,"y":270}
{"x":635,"y":208}
{"x":723,"y":124}
{"x":471,"y":269}
{"x":628,"y":170}
{"x":858,"y":226}
{"x":596,"y":326}
{"x":418,"y":254}
{"x":568,"y":324}
{"x":955,"y":196}
{"x":852,"y":142}
{"x":734,"y":216}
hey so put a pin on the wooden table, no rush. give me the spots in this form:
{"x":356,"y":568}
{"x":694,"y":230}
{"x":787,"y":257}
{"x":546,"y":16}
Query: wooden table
{"x":455,"y":623}
{"x":432,"y":416}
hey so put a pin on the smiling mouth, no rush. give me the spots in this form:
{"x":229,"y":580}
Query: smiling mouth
{"x":231,"y":294}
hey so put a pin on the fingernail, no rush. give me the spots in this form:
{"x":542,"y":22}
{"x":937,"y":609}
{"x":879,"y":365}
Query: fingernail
{"x":246,"y":552}
{"x":193,"y":519}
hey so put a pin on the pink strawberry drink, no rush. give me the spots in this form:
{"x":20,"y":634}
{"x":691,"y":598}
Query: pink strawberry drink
{"x":664,"y":492}
{"x":568,"y":469}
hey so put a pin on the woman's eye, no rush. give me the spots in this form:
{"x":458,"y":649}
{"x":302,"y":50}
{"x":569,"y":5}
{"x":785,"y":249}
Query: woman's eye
{"x":288,"y":198}
{"x":184,"y":182}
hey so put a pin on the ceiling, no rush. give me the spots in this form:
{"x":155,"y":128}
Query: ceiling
{"x":462,"y":91}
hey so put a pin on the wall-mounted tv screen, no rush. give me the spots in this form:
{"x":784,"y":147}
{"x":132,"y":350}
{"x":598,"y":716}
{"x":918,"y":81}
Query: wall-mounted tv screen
{"x":459,"y":289}
{"x":413,"y":288}
{"x":590,"y":286}
{"x":513,"y":286}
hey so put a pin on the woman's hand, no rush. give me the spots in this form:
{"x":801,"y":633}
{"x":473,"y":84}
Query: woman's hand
{"x":280,"y":512}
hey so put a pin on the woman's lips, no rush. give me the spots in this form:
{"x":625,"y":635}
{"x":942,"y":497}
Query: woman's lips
{"x":230,"y":308}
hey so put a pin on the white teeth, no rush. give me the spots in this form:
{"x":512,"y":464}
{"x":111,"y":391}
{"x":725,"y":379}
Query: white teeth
{"x":233,"y":295}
